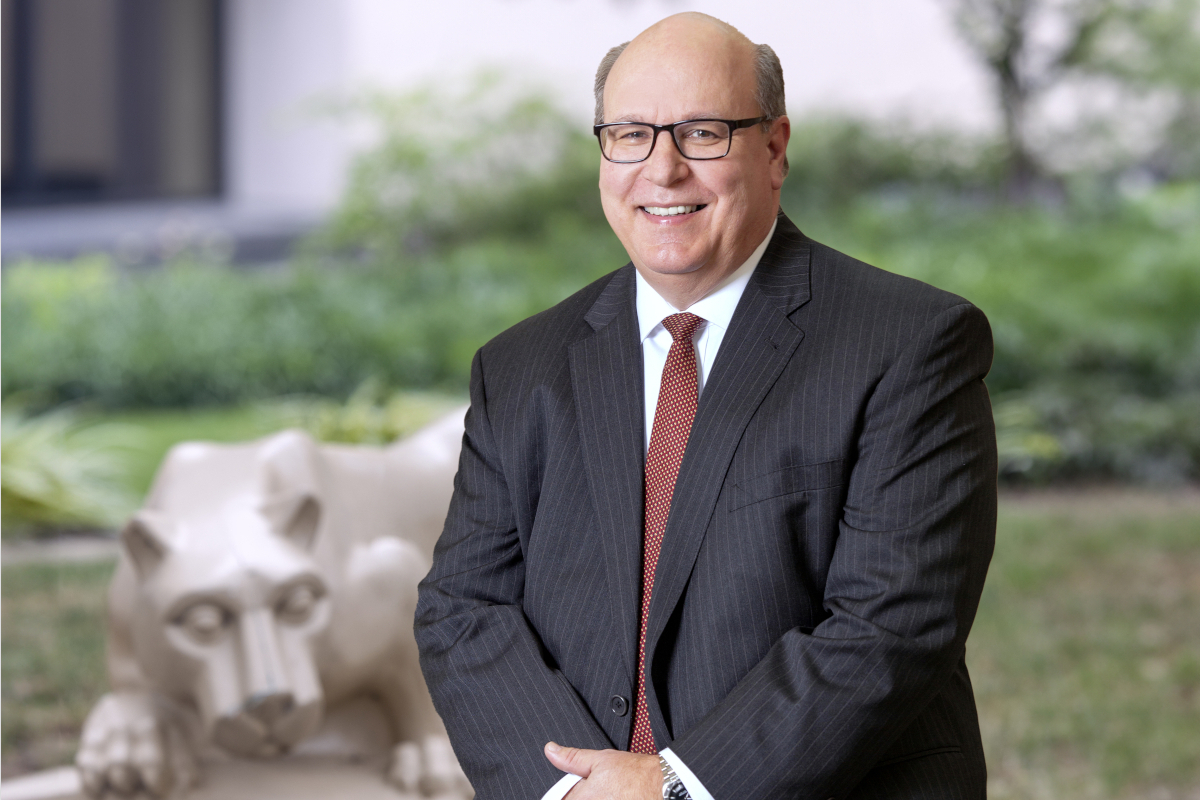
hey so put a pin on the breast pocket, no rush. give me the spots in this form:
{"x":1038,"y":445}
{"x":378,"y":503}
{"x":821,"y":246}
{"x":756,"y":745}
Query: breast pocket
{"x":789,"y":480}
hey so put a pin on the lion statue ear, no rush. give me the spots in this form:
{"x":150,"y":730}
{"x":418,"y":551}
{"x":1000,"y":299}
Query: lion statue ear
{"x":146,"y":539}
{"x":291,"y":501}
{"x":295,"y":517}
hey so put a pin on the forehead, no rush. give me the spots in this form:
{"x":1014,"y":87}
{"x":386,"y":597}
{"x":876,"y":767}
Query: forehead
{"x":674,"y":77}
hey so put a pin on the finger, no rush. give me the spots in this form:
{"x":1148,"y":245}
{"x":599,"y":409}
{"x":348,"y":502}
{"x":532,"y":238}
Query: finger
{"x":571,"y":759}
{"x":91,"y":778}
{"x":89,"y":756}
{"x":442,"y":773}
{"x":122,"y":779}
{"x":94,"y":735}
{"x":146,"y":755}
{"x":405,"y":771}
{"x":89,"y":760}
{"x":120,"y":775}
{"x":179,"y":758}
{"x":93,"y":745}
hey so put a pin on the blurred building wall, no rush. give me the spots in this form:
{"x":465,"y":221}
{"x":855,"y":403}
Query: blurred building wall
{"x":283,"y":56}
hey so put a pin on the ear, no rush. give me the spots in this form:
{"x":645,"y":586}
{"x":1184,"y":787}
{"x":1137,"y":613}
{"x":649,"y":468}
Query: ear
{"x":290,"y":487}
{"x":777,"y":144}
{"x":146,"y":539}
{"x":295,"y":517}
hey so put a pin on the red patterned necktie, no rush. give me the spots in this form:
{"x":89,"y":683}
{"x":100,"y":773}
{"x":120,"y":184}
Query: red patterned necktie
{"x":673,"y":417}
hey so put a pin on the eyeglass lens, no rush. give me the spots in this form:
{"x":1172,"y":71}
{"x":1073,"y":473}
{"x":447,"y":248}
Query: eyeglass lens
{"x":632,"y":142}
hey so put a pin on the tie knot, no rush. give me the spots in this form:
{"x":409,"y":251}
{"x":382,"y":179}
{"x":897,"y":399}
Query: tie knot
{"x":682,"y":326}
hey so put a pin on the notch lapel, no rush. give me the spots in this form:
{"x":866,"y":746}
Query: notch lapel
{"x":760,"y":342}
{"x":606,"y":378}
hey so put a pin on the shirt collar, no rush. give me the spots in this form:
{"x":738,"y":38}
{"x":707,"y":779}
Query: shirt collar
{"x":716,"y":307}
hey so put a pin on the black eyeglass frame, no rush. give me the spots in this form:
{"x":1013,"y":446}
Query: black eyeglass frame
{"x":734,"y":126}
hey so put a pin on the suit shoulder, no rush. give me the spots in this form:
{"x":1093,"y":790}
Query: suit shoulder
{"x":879,"y":313}
{"x":549,"y":330}
{"x":847,"y":282}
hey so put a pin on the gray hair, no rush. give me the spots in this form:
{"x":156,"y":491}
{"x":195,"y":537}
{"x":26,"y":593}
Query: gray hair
{"x":768,"y":85}
{"x":606,"y":65}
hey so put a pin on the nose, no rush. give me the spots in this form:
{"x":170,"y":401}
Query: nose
{"x":270,"y":707}
{"x":665,"y":165}
{"x":266,"y":675}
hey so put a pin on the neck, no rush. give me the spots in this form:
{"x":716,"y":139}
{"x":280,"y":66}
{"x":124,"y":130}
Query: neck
{"x":684,"y":289}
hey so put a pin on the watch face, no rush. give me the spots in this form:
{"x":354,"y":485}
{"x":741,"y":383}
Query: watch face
{"x":675,"y":791}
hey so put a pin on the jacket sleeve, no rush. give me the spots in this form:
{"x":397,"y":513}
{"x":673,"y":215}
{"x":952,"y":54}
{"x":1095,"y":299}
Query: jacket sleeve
{"x":491,"y":680}
{"x":913,"y":546}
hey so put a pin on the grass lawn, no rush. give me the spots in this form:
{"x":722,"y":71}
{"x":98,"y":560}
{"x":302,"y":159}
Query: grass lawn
{"x":52,"y":656}
{"x":158,"y":431}
{"x":1085,"y":654}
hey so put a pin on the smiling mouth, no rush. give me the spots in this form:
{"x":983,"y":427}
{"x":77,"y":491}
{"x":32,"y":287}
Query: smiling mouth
{"x":671,"y":211}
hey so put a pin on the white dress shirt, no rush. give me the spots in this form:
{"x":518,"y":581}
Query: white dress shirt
{"x":716,"y":308}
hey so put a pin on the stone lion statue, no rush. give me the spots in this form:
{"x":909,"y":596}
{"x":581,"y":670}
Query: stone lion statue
{"x":262,"y":606}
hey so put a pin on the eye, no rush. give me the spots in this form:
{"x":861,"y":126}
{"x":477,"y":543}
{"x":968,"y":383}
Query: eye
{"x":629,"y":134}
{"x":298,"y":604}
{"x":204,"y":622}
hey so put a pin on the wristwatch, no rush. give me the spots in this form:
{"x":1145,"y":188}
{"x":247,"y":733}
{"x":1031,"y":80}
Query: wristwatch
{"x":673,"y":788}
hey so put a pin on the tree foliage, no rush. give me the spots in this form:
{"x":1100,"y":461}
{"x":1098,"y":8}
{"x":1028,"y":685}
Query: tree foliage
{"x":1129,"y":70}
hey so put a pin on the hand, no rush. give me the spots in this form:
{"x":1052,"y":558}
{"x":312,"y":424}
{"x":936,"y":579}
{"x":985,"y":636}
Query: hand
{"x":608,"y":774}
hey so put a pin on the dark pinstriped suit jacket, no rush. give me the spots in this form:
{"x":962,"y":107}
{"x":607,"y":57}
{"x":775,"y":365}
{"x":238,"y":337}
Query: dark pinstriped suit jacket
{"x":831,"y":526}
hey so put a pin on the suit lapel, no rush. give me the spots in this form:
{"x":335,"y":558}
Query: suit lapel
{"x":756,"y":348}
{"x":606,"y":378}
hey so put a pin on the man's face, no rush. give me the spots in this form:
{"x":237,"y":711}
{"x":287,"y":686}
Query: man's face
{"x":689,"y":76}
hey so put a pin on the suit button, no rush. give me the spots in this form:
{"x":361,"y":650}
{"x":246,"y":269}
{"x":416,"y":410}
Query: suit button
{"x":619,"y":705}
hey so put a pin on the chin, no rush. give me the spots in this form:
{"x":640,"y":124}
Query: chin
{"x":672,"y":263}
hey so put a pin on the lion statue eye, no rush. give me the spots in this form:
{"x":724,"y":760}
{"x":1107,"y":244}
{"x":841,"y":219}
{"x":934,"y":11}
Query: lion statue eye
{"x":298,"y":604}
{"x":204,"y":622}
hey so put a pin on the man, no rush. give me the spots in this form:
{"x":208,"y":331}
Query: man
{"x":722,"y":518}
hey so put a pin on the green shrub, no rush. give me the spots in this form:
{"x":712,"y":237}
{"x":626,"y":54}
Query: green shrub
{"x":195,"y":335}
{"x":1097,"y":366}
{"x":371,"y":415}
{"x":482,"y":159}
{"x":835,"y":161}
{"x":441,"y":243}
{"x":57,"y":472}
{"x":445,"y":240}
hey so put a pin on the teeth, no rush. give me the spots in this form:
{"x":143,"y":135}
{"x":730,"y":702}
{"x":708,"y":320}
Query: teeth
{"x":671,"y":211}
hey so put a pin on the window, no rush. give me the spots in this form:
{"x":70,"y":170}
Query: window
{"x":110,"y":100}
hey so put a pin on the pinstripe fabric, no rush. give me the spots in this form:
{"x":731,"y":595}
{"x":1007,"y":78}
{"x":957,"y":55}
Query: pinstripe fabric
{"x":831,"y":526}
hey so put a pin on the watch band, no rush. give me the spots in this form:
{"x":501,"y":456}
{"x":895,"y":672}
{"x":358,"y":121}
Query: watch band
{"x":672,"y":788}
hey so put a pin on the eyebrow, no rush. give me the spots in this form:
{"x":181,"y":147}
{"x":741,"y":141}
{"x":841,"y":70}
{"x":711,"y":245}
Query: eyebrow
{"x":689,"y":117}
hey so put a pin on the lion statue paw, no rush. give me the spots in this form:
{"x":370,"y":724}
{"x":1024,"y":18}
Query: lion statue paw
{"x":135,"y":744}
{"x":429,"y":769}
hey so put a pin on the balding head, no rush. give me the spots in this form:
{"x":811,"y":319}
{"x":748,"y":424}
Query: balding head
{"x":693,"y":46}
{"x":691,"y":29}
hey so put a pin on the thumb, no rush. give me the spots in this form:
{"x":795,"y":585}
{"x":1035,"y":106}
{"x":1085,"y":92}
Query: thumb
{"x":570,"y":759}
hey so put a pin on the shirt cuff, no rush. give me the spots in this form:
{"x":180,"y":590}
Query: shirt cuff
{"x":559,"y":790}
{"x":690,"y":782}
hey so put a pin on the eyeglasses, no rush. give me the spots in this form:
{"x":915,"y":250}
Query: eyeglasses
{"x":697,"y":139}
